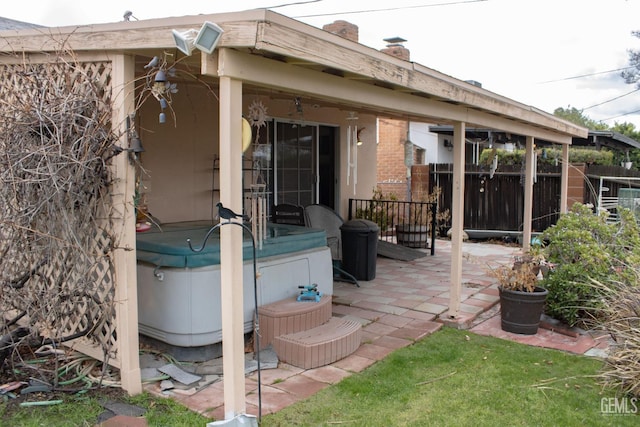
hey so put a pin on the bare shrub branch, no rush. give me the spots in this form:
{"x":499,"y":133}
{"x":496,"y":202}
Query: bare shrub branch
{"x":56,"y":142}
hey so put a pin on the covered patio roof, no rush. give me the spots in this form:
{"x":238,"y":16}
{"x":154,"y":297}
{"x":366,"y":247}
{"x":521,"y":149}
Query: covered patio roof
{"x":358,"y":77}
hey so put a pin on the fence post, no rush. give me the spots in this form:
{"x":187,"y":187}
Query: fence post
{"x":434,"y":222}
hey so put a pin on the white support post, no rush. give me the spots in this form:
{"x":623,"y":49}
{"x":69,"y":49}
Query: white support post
{"x":528,"y":194}
{"x":457,"y":217}
{"x":126,"y":294}
{"x":231,"y":247}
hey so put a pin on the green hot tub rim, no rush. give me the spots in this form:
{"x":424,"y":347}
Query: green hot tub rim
{"x":167,"y":245}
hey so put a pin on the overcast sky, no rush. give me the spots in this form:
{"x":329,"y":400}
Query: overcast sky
{"x":544,"y":53}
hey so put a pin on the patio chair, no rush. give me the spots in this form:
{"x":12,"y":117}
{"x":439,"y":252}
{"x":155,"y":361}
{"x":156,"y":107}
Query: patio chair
{"x":323,"y":217}
{"x":285,"y":213}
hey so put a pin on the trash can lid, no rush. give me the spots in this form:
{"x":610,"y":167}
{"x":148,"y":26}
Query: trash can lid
{"x":359,"y":225}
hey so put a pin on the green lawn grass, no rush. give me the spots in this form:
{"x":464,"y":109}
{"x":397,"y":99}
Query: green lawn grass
{"x":456,"y":378}
{"x":450,"y":378}
{"x":77,"y":410}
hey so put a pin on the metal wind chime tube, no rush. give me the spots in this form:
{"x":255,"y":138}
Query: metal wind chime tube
{"x":348,"y":153}
{"x":259,"y":212}
{"x":354,"y":143}
{"x":352,"y":150}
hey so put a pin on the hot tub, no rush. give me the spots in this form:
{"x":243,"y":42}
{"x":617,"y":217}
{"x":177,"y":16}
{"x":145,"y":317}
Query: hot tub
{"x":179,"y":290}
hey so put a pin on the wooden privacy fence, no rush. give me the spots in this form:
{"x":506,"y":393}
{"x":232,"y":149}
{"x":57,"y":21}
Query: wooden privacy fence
{"x":496,"y":201}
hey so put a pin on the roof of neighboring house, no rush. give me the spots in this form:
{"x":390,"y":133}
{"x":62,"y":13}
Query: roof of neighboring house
{"x":274,"y":53}
{"x":11,"y":24}
{"x":595,"y":138}
{"x":607,"y":138}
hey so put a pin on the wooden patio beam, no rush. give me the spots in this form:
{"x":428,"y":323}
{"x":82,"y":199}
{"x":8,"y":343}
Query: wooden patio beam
{"x":353,"y":94}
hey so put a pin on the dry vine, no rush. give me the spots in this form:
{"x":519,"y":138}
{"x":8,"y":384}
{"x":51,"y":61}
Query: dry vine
{"x":56,"y":143}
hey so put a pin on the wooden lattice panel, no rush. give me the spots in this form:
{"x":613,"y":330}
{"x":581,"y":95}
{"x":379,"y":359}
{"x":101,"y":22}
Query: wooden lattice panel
{"x":52,"y":220}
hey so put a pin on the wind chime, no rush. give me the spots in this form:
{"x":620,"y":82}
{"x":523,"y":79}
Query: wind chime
{"x":352,"y":150}
{"x":257,"y":118}
{"x":259,"y":213}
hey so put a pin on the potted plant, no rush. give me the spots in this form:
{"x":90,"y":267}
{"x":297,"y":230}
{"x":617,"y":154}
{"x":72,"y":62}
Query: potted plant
{"x":417,"y":222}
{"x":522,"y":298}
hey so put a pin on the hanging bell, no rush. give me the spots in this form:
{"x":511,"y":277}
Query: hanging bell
{"x":161,"y":76}
{"x":136,"y":145}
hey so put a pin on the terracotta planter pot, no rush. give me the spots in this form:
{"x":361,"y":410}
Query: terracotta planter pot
{"x":520,"y":311}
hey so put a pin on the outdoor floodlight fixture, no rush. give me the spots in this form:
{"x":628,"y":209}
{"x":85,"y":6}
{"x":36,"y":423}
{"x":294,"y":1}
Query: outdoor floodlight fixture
{"x":206,"y":39}
{"x":184,"y":40}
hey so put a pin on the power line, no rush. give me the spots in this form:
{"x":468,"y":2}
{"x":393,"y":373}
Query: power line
{"x":585,"y":75}
{"x":612,"y":99}
{"x":389,"y":9}
{"x":620,"y":115}
{"x":293,"y":4}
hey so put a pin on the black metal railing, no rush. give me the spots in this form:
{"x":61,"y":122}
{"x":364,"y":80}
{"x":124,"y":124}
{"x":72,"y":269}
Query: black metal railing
{"x":411,"y":224}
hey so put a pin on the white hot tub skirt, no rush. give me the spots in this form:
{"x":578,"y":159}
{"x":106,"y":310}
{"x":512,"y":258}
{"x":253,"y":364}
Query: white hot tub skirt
{"x":181,"y":306}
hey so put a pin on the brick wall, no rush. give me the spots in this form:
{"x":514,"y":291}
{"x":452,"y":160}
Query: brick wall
{"x":420,"y":179}
{"x":576,"y":184}
{"x":392,"y":173}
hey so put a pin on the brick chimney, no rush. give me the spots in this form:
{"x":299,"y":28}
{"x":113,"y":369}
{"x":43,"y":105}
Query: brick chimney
{"x":343,"y":29}
{"x":395,"y":48}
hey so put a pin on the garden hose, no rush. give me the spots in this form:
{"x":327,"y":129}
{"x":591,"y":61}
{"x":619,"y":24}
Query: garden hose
{"x":79,"y":368}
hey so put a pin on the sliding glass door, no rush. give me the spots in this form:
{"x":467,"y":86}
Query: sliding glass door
{"x":295,"y":172}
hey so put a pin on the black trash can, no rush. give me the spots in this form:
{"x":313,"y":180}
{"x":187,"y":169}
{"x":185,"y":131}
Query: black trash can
{"x":360,"y":248}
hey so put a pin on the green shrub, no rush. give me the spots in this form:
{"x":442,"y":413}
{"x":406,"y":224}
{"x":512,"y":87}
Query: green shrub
{"x":584,"y":247}
{"x":549,"y":156}
{"x":382,"y":210}
{"x":591,"y":156}
{"x":378,"y":211}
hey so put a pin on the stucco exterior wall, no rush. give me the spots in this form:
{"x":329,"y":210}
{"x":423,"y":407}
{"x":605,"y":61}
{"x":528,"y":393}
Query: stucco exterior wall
{"x":178,"y":161}
{"x":178,"y":164}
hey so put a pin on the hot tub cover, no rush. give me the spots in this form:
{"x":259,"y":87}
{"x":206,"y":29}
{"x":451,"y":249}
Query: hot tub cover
{"x":168,"y":247}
